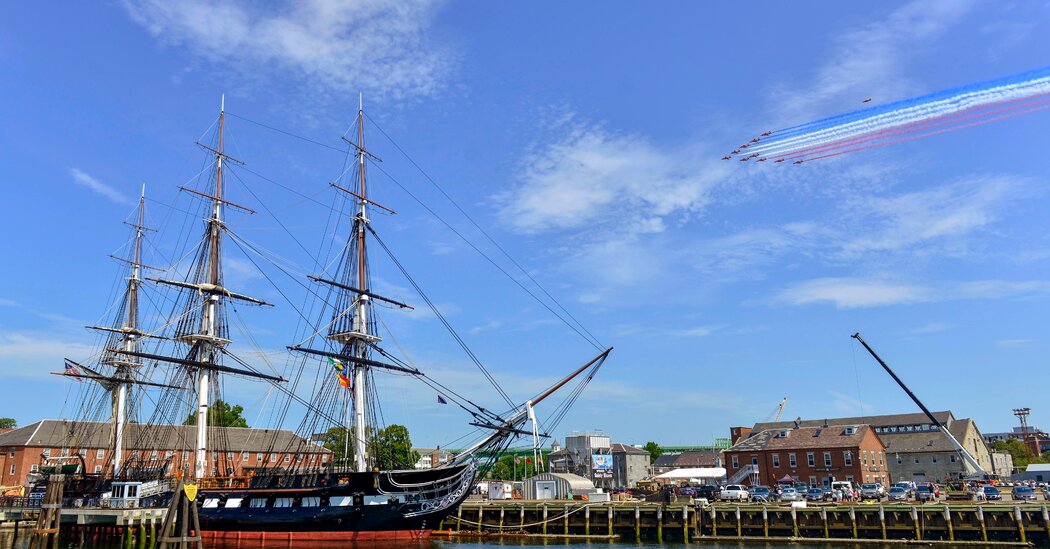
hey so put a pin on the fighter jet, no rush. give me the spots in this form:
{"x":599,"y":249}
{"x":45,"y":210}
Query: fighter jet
{"x":780,"y":160}
{"x":767,"y":133}
{"x":868,"y":100}
{"x":735,"y":152}
{"x":762,"y":159}
{"x":755,"y":140}
{"x":799,"y":161}
{"x":726,"y":157}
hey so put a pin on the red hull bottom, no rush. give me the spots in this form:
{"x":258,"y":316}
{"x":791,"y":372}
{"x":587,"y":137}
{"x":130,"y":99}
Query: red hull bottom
{"x":307,"y":539}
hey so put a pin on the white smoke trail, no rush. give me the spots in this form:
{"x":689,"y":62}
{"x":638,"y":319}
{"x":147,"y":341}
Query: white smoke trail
{"x":906,"y":115}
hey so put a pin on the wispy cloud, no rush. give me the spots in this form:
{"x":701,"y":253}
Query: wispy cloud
{"x":873,"y":56}
{"x":379,"y":46}
{"x":592,"y":175}
{"x":85,"y":180}
{"x":855,"y":293}
{"x":29,"y":355}
{"x":931,"y":328}
{"x":848,"y":405}
{"x":1014,"y":343}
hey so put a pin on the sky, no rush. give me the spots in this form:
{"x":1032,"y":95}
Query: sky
{"x":586,"y":139}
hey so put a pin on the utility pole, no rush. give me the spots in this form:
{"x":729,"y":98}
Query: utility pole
{"x":1022,"y":415}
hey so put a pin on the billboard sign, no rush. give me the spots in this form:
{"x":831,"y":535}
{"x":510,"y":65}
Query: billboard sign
{"x":602,"y":465}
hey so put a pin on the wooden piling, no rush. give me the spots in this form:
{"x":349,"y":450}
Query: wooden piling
{"x":882,"y":520}
{"x":587,"y":521}
{"x":501,"y":515}
{"x":610,"y":532}
{"x":521,"y":523}
{"x":660,"y":524}
{"x":1020,"y":523}
{"x":824,"y":517}
{"x":565,"y":519}
{"x":49,"y":520}
{"x":739,"y":524}
{"x":853,"y":521}
{"x":1046,"y":522}
{"x":637,"y":523}
{"x":481,"y":516}
{"x":948,"y":522}
{"x":794,"y":522}
{"x":685,"y":523}
{"x":714,"y":522}
{"x":980,"y":520}
{"x":765,"y":523}
{"x":544,"y":518}
{"x":915,"y":522}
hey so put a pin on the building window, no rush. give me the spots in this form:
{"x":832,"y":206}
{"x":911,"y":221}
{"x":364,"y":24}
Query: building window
{"x":953,"y":458}
{"x":65,"y":452}
{"x":810,"y":459}
{"x":185,"y":456}
{"x":34,"y":468}
{"x":882,"y":455}
{"x":100,"y":453}
{"x":827,"y":459}
{"x":812,"y":481}
{"x":847,"y":458}
{"x":244,"y":456}
{"x":754,"y":460}
{"x":98,"y":469}
{"x":273,"y":458}
{"x":849,"y":478}
{"x":792,"y":461}
{"x":776,"y":460}
{"x":229,"y":456}
{"x":153,"y":454}
{"x":916,"y":460}
{"x":169,"y":454}
{"x":935,"y":459}
{"x":736,"y":461}
{"x":46,"y":452}
{"x":12,"y":469}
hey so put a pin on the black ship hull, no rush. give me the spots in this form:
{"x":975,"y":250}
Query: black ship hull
{"x":398,"y":505}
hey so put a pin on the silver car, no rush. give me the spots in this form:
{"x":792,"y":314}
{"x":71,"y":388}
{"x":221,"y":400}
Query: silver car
{"x":898,"y":493}
{"x":790,"y":494}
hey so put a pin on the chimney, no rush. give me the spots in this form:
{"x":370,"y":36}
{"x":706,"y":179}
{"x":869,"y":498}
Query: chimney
{"x":738,"y":433}
{"x":825,"y":423}
{"x":798,"y":422}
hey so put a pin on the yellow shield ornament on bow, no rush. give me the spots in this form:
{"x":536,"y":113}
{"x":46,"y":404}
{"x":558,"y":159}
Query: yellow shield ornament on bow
{"x":191,"y":491}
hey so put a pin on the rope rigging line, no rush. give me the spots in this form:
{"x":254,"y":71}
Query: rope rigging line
{"x":578,"y":327}
{"x":441,"y":317}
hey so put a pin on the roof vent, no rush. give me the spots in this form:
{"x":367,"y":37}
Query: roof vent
{"x":798,"y":422}
{"x":825,"y":423}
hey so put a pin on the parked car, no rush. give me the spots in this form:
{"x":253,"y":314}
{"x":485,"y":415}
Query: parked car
{"x":789,"y":493}
{"x":1024,"y":493}
{"x":734,"y":492}
{"x":909,"y":486}
{"x":1046,"y":492}
{"x":898,"y":493}
{"x":926,"y":492}
{"x":687,"y":491}
{"x":842,"y":484}
{"x":707,"y":492}
{"x":873,"y":491}
{"x":991,"y":493}
{"x":817,"y":494}
{"x":762,"y":494}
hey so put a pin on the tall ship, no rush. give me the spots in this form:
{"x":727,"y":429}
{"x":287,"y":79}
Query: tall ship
{"x":341,"y":474}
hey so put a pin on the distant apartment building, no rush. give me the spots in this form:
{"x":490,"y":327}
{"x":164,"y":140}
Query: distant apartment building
{"x":630,"y":464}
{"x":916,"y":449}
{"x":1037,"y":440}
{"x":432,"y":457}
{"x":167,"y":446}
{"x":816,"y":456}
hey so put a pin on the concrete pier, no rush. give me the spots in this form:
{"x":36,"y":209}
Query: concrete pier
{"x":941,"y":523}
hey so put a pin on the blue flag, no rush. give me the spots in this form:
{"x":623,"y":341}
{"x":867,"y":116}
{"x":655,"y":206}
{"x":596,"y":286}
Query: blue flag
{"x":441,"y":400}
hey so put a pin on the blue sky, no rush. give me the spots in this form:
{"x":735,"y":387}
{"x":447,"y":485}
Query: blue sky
{"x":586,"y":138}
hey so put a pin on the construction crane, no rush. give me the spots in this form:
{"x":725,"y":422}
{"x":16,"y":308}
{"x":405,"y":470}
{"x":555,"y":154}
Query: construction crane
{"x":967,"y":457}
{"x":779,"y":411}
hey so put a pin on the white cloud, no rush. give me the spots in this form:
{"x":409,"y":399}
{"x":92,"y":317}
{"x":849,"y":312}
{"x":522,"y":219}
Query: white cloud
{"x":376,"y":46}
{"x":593,"y":176}
{"x":34,"y":355}
{"x":1014,"y":343}
{"x":850,"y":293}
{"x":931,"y":328}
{"x":84,"y":180}
{"x":940,"y":214}
{"x":873,"y":57}
{"x":699,"y":331}
{"x":853,"y":293}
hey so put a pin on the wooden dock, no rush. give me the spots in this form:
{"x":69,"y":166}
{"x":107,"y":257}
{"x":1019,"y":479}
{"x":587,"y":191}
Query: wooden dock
{"x":985,"y":524}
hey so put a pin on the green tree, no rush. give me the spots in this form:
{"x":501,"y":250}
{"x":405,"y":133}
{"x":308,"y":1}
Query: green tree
{"x":1018,"y":451}
{"x":221,"y":414}
{"x":392,"y":448}
{"x":654,"y":450}
{"x":340,"y":441}
{"x":8,"y":423}
{"x":506,"y":469}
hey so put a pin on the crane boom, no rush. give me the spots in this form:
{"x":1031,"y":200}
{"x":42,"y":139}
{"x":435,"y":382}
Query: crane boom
{"x":780,"y":409}
{"x":969,"y":459}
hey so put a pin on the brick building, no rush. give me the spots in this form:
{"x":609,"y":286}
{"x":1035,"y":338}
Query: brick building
{"x":918,"y":451}
{"x":432,"y":457}
{"x":687,"y":460}
{"x":814,"y":455}
{"x":246,"y":449}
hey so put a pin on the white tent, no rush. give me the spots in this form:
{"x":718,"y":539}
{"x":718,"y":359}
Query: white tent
{"x":694,"y":472}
